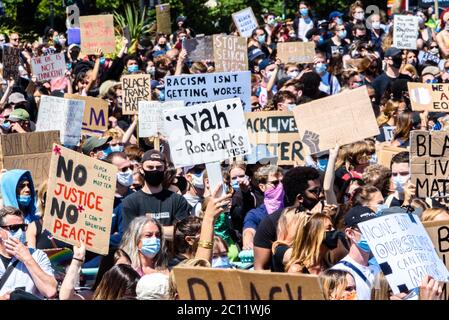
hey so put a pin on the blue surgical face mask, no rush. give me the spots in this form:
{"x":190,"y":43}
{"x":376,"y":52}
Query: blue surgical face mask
{"x":380,"y":208}
{"x":150,"y":246}
{"x":133,"y":68}
{"x":6,"y":125}
{"x":261,"y":39}
{"x":339,"y":21}
{"x":221,"y":262}
{"x":342,"y":34}
{"x":322,"y":163}
{"x":363,"y":244}
{"x":24,"y":200}
{"x":304,"y":12}
{"x":125,"y":178}
{"x":320,"y":68}
{"x":291,"y":107}
{"x":19,"y":235}
{"x":117,"y":148}
{"x":235,"y":185}
{"x":106,"y":152}
{"x":161,"y":95}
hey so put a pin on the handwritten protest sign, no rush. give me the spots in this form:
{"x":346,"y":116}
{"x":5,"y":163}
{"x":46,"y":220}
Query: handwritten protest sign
{"x":65,"y":115}
{"x":405,"y":32}
{"x":227,"y":284}
{"x":389,"y":132}
{"x":29,"y":151}
{"x":151,"y":117}
{"x":96,"y":114}
{"x":207,"y":132}
{"x":385,"y":153}
{"x":163,"y":18}
{"x":48,"y":67}
{"x":199,"y":48}
{"x":245,"y":22}
{"x":73,"y":16}
{"x":403,"y":250}
{"x":296,"y":52}
{"x":277,"y":130}
{"x":11,"y":62}
{"x":342,"y":118}
{"x":202,"y":88}
{"x":97,"y":32}
{"x":136,"y":87}
{"x":230,"y":53}
{"x":431,"y":97}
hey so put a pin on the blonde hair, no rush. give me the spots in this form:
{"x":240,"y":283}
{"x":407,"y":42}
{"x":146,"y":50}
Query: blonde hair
{"x":409,"y":68}
{"x":114,"y":134}
{"x":261,"y":175}
{"x":290,"y":221}
{"x":381,"y":288}
{"x":348,"y":154}
{"x":41,"y":196}
{"x":390,"y":109}
{"x":431,"y":213}
{"x":334,"y":283}
{"x":194,"y":262}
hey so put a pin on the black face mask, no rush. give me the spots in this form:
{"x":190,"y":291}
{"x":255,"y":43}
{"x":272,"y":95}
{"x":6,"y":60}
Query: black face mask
{"x":397,"y":62}
{"x":309,"y":204}
{"x":331,"y":239}
{"x":154,"y":177}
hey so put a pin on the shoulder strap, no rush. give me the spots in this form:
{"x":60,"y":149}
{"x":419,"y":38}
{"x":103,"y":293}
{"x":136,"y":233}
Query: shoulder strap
{"x":330,"y":83}
{"x":8,"y":273}
{"x":356,"y":270}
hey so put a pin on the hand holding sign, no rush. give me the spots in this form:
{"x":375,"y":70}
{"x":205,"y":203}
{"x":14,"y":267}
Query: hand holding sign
{"x":430,"y":289}
{"x":217,"y":203}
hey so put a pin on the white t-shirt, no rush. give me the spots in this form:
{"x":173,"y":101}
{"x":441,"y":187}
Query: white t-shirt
{"x":325,"y":84}
{"x":303,"y":27}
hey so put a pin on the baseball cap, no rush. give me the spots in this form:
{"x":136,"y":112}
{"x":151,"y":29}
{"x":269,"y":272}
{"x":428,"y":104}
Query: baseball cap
{"x":254,"y":54}
{"x":265,"y":63}
{"x":105,"y":86}
{"x":392,"y":52}
{"x":435,"y":71}
{"x":154,"y":286}
{"x":312,"y":32}
{"x":335,"y":14}
{"x":19,"y":114}
{"x":358,"y":214}
{"x":153,"y":155}
{"x":93,"y":142}
{"x":16,"y":98}
{"x":156,"y":85}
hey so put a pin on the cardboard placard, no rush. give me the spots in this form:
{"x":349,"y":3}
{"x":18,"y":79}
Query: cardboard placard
{"x":277,"y":130}
{"x":11,"y":62}
{"x":207,"y":132}
{"x":80,"y":199}
{"x":136,"y":87}
{"x":199,"y":283}
{"x":343,"y":118}
{"x":163,"y":20}
{"x":230,"y":53}
{"x":245,"y":22}
{"x":199,"y":48}
{"x":405,"y":32}
{"x":49,"y":67}
{"x":296,"y":52}
{"x":151,"y":117}
{"x":96,"y":114}
{"x":403,"y":250}
{"x":65,"y":115}
{"x":97,"y":32}
{"x":29,"y":151}
{"x":385,"y":153}
{"x":208,"y":87}
{"x":427,"y":96}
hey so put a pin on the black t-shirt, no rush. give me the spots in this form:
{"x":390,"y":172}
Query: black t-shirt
{"x":5,"y":261}
{"x":332,"y":48}
{"x":266,"y":231}
{"x":165,"y":206}
{"x":381,"y":84}
{"x":278,"y":257}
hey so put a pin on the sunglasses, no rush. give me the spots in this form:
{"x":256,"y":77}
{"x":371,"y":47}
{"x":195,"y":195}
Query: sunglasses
{"x":15,"y":227}
{"x":316,"y":191}
{"x":274,"y":182}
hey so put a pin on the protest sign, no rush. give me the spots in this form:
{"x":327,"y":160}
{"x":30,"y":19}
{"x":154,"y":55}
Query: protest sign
{"x":151,"y":117}
{"x":405,"y":32}
{"x":429,"y":161}
{"x":388,"y":132}
{"x":342,"y":118}
{"x":277,"y":130}
{"x":208,"y":87}
{"x":403,"y":250}
{"x":230,"y":53}
{"x":97,"y":32}
{"x":296,"y":52}
{"x":96,"y":114}
{"x":136,"y":87}
{"x":48,"y":67}
{"x":73,"y":16}
{"x":163,"y":18}
{"x":80,"y":199}
{"x":29,"y":151}
{"x":430,"y":97}
{"x":245,"y":22}
{"x":11,"y":62}
{"x":424,"y":57}
{"x":199,"y":48}
{"x":65,"y":115}
{"x":73,"y":36}
{"x":207,"y":132}
{"x":385,"y":152}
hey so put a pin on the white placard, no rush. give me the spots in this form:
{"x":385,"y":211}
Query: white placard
{"x":209,"y":87}
{"x":245,"y":22}
{"x":389,"y":132}
{"x":65,"y":115}
{"x":48,"y":67}
{"x":151,"y":120}
{"x":403,"y":250}
{"x":207,"y":133}
{"x":405,"y":32}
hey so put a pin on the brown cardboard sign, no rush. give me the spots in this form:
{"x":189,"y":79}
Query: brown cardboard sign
{"x":296,"y":52}
{"x":96,"y":114}
{"x":199,"y":48}
{"x":11,"y":62}
{"x":386,"y":152}
{"x":97,"y":32}
{"x":230,"y":53}
{"x":136,"y":87}
{"x":429,"y":96}
{"x":163,"y":20}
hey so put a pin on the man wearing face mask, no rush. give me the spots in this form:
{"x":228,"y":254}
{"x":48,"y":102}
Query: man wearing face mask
{"x":97,"y":147}
{"x":376,"y":33}
{"x":329,"y":83}
{"x":393,"y":60}
{"x":153,"y":200}
{"x":196,"y":188}
{"x":28,"y":268}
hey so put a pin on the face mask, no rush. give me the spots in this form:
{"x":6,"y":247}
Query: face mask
{"x":106,"y":152}
{"x":350,"y":296}
{"x":304,"y":12}
{"x":235,"y":185}
{"x":271,"y":22}
{"x":359,"y":16}
{"x":274,"y":198}
{"x":221,"y":262}
{"x":198,"y":181}
{"x":309,"y":204}
{"x":154,"y":178}
{"x":320,"y":68}
{"x":62,"y":41}
{"x":102,"y":60}
{"x":363,"y":244}
{"x":117,"y":148}
{"x":420,"y":20}
{"x":342,"y":34}
{"x":6,"y":125}
{"x":151,"y":70}
{"x":133,"y":68}
{"x":375,"y":25}
{"x":397,"y":62}
{"x":339,"y":21}
{"x":380,"y":208}
{"x":261,"y":39}
{"x":321,"y":40}
{"x":125,"y":178}
{"x":269,"y":75}
{"x":19,"y":235}
{"x":293,"y":74}
{"x":434,"y":51}
{"x":150,"y":246}
{"x":399,"y":182}
{"x":322,"y":163}
{"x":331,"y":239}
{"x":24,"y":201}
{"x":290,"y":107}
{"x":161,"y":95}
{"x":412,"y":62}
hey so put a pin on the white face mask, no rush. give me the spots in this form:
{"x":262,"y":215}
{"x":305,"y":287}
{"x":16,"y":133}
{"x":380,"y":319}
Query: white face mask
{"x":400,"y":182}
{"x":125,"y":178}
{"x":293,"y":74}
{"x":198,"y":180}
{"x":376,"y":25}
{"x":359,"y":16}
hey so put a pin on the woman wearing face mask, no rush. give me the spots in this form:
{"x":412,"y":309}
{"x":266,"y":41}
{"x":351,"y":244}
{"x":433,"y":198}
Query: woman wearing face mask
{"x":338,"y":44}
{"x":259,"y":40}
{"x":303,"y":21}
{"x":161,"y":43}
{"x":443,"y":36}
{"x":338,"y":285}
{"x":425,"y":33}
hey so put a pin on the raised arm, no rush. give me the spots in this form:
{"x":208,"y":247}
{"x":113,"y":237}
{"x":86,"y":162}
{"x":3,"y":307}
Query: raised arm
{"x":329,"y":177}
{"x":98,"y":54}
{"x":182,"y":57}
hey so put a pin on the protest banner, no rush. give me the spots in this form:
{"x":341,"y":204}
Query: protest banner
{"x":11,"y":63}
{"x":48,"y":67}
{"x":385,"y":152}
{"x":388,"y":132}
{"x":245,"y":21}
{"x":151,"y":120}
{"x":96,"y":114}
{"x":403,"y":250}
{"x":429,"y":96}
{"x":405,"y":32}
{"x":97,"y":32}
{"x":163,"y":18}
{"x":200,"y":283}
{"x":296,"y":52}
{"x":342,"y":118}
{"x":277,"y":130}
{"x":74,"y":36}
{"x":29,"y":151}
{"x":80,"y":199}
{"x":199,"y":48}
{"x":207,"y":132}
{"x":136,"y":87}
{"x":73,"y":16}
{"x":429,"y":164}
{"x":230,"y":53}
{"x":65,"y":115}
{"x":209,"y":87}
{"x":427,"y":58}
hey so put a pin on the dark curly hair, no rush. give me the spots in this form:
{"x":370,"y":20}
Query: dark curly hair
{"x":295,"y":182}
